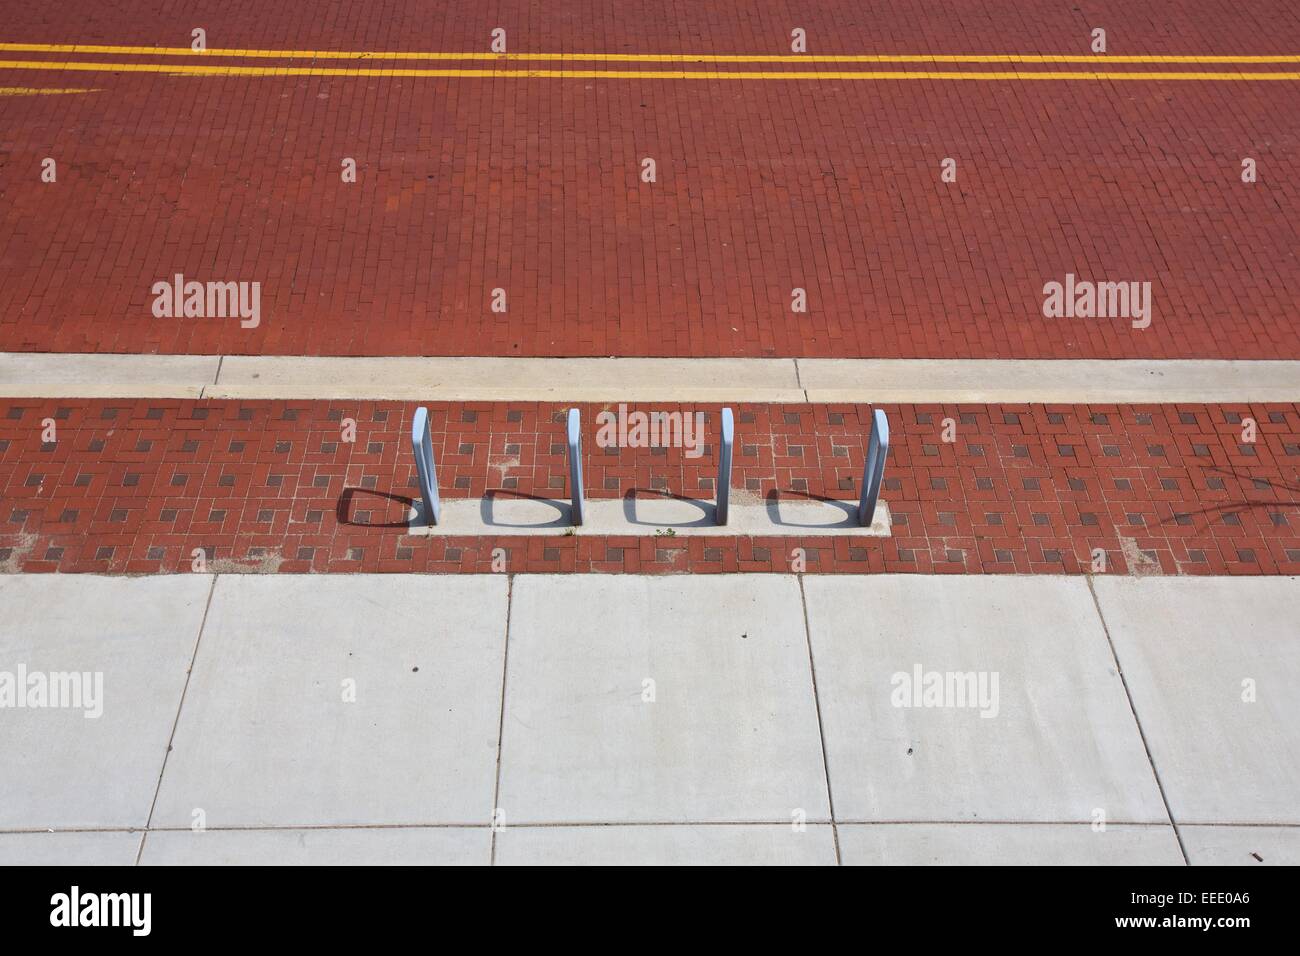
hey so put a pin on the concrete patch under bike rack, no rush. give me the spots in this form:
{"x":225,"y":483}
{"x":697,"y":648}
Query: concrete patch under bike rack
{"x":651,"y":513}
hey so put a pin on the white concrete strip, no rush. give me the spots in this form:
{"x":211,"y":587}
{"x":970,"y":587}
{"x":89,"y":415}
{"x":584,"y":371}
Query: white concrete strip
{"x":53,"y":375}
{"x":861,"y":381}
{"x":80,"y":848}
{"x":665,"y":517}
{"x":722,"y":845}
{"x":1021,"y":844}
{"x":1213,"y":665}
{"x":509,"y":379}
{"x":361,"y":846}
{"x":1060,"y":381}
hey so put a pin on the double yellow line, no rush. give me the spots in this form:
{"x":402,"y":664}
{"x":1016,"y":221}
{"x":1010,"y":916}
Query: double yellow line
{"x":504,"y":59}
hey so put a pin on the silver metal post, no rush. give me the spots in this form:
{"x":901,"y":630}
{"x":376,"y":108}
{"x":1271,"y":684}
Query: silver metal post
{"x":873,"y":473}
{"x":422,"y":447}
{"x":575,"y":466}
{"x":723,"y":488}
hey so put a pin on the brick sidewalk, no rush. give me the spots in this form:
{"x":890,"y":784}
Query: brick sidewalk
{"x":531,"y":186}
{"x":135,"y":486}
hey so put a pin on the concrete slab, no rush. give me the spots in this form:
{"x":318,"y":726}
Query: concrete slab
{"x":1060,"y":741}
{"x":719,"y":845}
{"x":509,"y":379}
{"x":62,"y":768}
{"x":411,"y":378}
{"x":1064,"y":381}
{"x":1187,"y":645}
{"x":1241,"y":846}
{"x":45,"y":375}
{"x":366,"y":846}
{"x":268,"y":738}
{"x":731,"y":734}
{"x":82,"y":848}
{"x":1018,"y":844}
{"x":650,"y":514}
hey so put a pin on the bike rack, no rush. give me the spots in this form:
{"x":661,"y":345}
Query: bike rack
{"x":873,"y":473}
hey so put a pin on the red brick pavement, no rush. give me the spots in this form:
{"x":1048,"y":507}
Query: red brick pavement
{"x":466,"y":185}
{"x":135,"y":486}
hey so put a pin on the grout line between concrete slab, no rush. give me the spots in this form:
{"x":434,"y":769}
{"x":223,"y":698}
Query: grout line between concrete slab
{"x":821,"y":732}
{"x":1114,"y":656}
{"x":501,"y":721}
{"x":203,"y":622}
{"x":216,"y":378}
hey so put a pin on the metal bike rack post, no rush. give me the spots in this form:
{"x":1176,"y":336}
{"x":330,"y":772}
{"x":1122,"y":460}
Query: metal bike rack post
{"x":422,"y":447}
{"x":575,"y":466}
{"x":723,"y":488}
{"x":873,"y":473}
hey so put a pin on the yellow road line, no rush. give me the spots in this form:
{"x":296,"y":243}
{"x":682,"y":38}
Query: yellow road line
{"x":185,"y":69}
{"x":79,"y":48}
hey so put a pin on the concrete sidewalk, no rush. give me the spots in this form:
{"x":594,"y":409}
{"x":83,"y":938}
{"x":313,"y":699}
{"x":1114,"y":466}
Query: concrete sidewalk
{"x":666,"y":719}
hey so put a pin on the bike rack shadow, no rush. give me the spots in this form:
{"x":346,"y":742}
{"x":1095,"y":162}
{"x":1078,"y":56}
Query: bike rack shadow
{"x":773,"y":504}
{"x":343,"y":508}
{"x":487,"y":511}
{"x":708,"y":510}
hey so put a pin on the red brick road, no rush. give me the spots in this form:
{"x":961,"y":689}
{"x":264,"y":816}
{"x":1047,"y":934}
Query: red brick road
{"x":531,"y":185}
{"x":136,"y":486}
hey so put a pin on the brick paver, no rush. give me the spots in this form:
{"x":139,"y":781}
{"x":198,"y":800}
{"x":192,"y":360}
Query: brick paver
{"x":531,"y":186}
{"x":136,"y":486}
